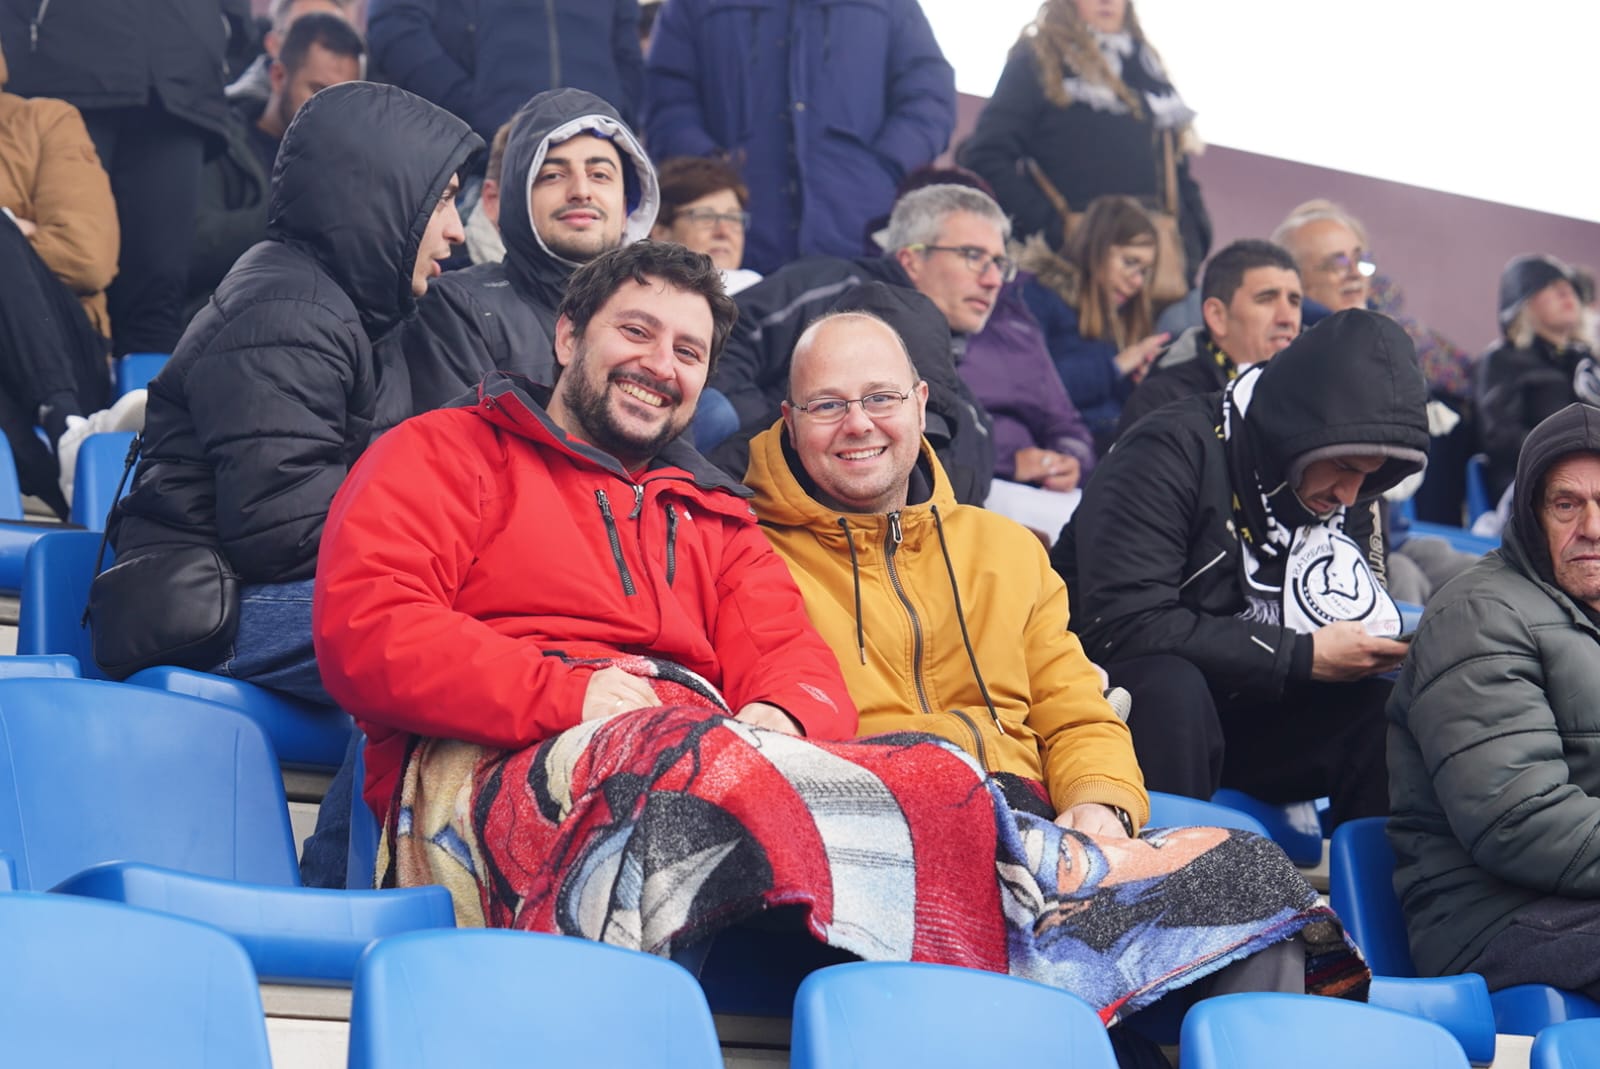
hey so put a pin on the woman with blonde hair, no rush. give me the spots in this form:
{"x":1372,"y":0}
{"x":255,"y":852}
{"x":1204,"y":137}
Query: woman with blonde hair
{"x":1083,"y":109}
{"x":1093,"y":304}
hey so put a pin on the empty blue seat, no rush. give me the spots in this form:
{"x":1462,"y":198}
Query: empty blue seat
{"x":1268,"y":1031}
{"x":301,"y":734}
{"x":10,"y":487}
{"x":158,"y":799}
{"x":135,"y":370}
{"x":1361,"y":890}
{"x":1294,"y":826}
{"x":1567,"y":1045}
{"x":102,"y":458}
{"x":515,"y":998}
{"x":868,"y":1014}
{"x":91,"y":983}
{"x":55,"y":590}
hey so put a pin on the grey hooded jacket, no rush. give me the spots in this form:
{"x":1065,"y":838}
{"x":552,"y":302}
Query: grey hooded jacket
{"x":502,"y":316}
{"x":1494,"y":737}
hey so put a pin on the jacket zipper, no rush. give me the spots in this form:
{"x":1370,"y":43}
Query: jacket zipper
{"x":672,"y":543}
{"x":983,"y":755}
{"x":1206,"y":567}
{"x":616,"y":543}
{"x":889,"y":546}
{"x":555,"y":45}
{"x":33,"y":27}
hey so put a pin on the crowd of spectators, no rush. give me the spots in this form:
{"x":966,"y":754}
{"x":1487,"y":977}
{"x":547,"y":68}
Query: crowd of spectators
{"x":1216,"y":454}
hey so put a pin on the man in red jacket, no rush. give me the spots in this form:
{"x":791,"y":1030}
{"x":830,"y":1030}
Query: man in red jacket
{"x":483,"y":569}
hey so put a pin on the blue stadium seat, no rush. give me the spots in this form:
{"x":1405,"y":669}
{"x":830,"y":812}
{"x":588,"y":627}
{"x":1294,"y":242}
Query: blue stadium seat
{"x":10,"y":488}
{"x":301,"y":734}
{"x":91,"y":983}
{"x":1460,"y":1004}
{"x":361,"y":860}
{"x":158,"y":799}
{"x":1361,"y":891}
{"x":8,"y":873}
{"x":48,"y":665}
{"x":1294,"y":826}
{"x":1268,"y":1031}
{"x":516,"y":998}
{"x":55,"y":589}
{"x":135,"y":370}
{"x":868,"y":1014}
{"x":1567,"y":1045}
{"x":1478,"y":499}
{"x":102,"y":459}
{"x":1176,"y":811}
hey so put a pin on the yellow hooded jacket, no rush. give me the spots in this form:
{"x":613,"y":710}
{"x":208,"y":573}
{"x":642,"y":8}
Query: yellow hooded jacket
{"x":890,"y":594}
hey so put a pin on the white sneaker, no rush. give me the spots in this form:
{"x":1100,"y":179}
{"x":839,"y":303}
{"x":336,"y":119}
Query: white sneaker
{"x":126,"y":415}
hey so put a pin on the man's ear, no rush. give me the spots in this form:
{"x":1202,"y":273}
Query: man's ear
{"x":566,"y":341}
{"x":908,"y":260}
{"x":276,"y":76}
{"x":921,"y":392}
{"x":1215,"y":315}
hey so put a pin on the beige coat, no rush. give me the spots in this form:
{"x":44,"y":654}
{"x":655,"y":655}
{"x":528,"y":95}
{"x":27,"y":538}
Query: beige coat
{"x":51,"y":176}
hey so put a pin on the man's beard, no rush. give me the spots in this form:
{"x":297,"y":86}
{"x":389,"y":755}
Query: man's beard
{"x":591,"y":408}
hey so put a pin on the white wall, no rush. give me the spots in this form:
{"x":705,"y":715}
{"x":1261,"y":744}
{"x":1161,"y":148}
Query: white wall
{"x":1495,"y":101}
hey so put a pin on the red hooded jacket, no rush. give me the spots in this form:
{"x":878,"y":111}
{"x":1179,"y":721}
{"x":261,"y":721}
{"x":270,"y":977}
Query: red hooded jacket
{"x":469,"y":544}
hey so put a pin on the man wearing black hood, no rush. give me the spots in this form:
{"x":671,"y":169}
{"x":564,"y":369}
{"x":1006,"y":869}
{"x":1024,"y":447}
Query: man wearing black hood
{"x":1237,"y":532}
{"x":575,"y":182}
{"x":280,"y":382}
{"x":1494,"y":742}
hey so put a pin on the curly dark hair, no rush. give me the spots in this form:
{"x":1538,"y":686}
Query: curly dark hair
{"x":663,"y":261}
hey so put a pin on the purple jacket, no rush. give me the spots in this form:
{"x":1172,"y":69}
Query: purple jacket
{"x":1007,"y":366}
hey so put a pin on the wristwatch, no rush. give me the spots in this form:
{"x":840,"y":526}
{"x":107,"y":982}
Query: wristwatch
{"x":1127,"y":821}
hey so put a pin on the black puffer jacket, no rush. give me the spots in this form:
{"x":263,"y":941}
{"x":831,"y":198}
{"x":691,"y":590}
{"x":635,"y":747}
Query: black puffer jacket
{"x":122,"y":53}
{"x":503,"y":315}
{"x":1153,"y":556}
{"x":1518,"y":387}
{"x":274,"y":389}
{"x":753,"y":372}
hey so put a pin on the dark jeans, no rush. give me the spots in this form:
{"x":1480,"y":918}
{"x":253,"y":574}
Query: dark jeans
{"x":50,"y":354}
{"x":154,"y":161}
{"x":1176,"y":734}
{"x":1318,"y":739}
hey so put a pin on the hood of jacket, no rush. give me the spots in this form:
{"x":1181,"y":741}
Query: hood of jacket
{"x":1574,"y":429}
{"x":548,"y":119}
{"x":783,"y":490}
{"x":358,"y":175}
{"x":1352,"y":381}
{"x":518,"y":405}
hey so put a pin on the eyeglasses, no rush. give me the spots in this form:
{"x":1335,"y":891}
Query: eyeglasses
{"x":1341,"y":264}
{"x":833,"y":409}
{"x":705,"y":218}
{"x":976,"y":259}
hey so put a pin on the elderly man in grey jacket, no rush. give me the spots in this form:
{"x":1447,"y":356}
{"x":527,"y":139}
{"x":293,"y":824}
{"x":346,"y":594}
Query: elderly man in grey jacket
{"x":1494,"y":740}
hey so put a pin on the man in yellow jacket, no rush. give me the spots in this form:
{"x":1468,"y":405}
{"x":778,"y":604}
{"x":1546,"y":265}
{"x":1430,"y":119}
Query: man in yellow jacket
{"x":945,"y":618}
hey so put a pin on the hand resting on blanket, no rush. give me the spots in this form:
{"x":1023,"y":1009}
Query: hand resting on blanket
{"x":1092,"y":818}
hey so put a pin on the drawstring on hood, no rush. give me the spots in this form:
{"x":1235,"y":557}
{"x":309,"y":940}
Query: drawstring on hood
{"x":855,"y":578}
{"x":961,"y":618}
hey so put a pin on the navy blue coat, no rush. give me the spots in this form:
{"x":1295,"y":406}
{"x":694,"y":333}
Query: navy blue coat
{"x":826,"y":104}
{"x":482,"y":59}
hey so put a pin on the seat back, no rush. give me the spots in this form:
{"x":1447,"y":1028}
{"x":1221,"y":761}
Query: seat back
{"x":1268,"y":1031}
{"x":1361,"y":892}
{"x":10,"y":485}
{"x":55,"y":590}
{"x":135,"y":370}
{"x":102,"y":458}
{"x":1567,"y":1045}
{"x":50,"y":665}
{"x":1478,"y":499}
{"x":448,"y":997}
{"x":906,"y":1013}
{"x":1176,"y":811}
{"x":361,"y":858}
{"x":91,"y":983}
{"x":1294,"y":826}
{"x":93,"y":771}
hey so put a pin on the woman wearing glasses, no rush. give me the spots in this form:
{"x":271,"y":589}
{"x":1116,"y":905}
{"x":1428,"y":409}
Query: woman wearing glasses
{"x":1093,"y":303}
{"x":1085,"y":101}
{"x":705,"y":207}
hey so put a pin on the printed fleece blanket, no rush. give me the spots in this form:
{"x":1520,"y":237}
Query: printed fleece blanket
{"x":655,"y":829}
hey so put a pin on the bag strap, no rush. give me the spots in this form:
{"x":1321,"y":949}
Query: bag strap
{"x":1169,"y":171}
{"x":1051,"y":194}
{"x":134,"y":448}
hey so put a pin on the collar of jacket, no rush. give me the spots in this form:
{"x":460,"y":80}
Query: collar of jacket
{"x":517,"y":405}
